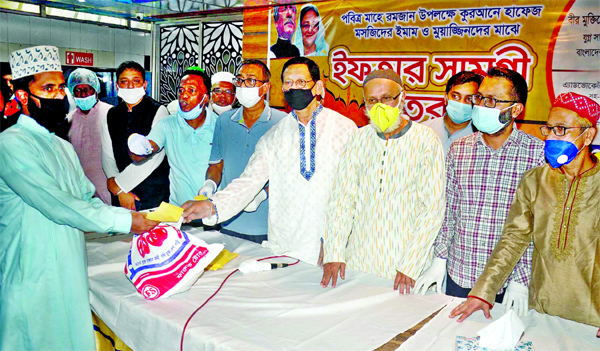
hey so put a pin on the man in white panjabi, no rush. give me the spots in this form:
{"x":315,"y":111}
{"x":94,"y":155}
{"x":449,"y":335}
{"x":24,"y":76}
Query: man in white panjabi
{"x":299,"y":158}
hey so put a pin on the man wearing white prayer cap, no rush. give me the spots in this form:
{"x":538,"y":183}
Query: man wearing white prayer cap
{"x":46,"y":206}
{"x":222,"y":92}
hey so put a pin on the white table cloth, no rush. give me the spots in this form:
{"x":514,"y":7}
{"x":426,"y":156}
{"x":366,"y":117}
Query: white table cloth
{"x":546,"y":332}
{"x":282,"y":309}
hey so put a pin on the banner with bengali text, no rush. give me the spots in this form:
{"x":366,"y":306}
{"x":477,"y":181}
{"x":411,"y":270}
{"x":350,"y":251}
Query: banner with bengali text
{"x":554,"y":45}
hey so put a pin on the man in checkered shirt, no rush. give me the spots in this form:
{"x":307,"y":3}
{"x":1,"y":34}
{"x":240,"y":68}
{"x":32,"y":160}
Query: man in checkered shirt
{"x":483,"y":172}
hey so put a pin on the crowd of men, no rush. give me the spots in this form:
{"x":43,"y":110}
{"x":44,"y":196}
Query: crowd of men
{"x":467,"y":204}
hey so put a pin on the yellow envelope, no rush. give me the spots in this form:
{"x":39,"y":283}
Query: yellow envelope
{"x":166,"y":213}
{"x":219,"y":261}
{"x":200,"y":198}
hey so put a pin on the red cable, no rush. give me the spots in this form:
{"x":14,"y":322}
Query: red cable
{"x":215,"y":293}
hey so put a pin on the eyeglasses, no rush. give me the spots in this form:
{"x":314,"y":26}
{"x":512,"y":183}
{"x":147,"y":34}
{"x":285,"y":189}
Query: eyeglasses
{"x":383,"y":100}
{"x":300,"y":83}
{"x":557,"y":130}
{"x":220,"y":91}
{"x":487,"y":101}
{"x":248,"y":83}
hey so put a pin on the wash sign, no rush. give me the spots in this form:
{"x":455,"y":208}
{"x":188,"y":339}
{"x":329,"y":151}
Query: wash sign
{"x":76,"y":58}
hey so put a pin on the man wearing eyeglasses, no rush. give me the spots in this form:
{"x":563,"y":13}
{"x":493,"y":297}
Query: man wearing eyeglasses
{"x":222,"y":92}
{"x":483,"y":172}
{"x":387,"y":203}
{"x":185,"y":136}
{"x":558,"y":207}
{"x":236,"y":135}
{"x":298,"y":157}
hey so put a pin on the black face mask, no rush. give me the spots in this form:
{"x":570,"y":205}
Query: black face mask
{"x":299,"y":99}
{"x":51,"y":114}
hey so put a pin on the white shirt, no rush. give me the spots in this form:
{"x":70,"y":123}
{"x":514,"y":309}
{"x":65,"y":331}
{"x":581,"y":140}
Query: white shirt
{"x":440,"y":129}
{"x":133,"y":174}
{"x":297,"y":207}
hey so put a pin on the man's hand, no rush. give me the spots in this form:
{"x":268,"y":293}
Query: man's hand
{"x":139,"y":223}
{"x":209,"y":188}
{"x":471,"y":305}
{"x":139,"y":145}
{"x":112,"y":186}
{"x":330,"y":270}
{"x":403,"y":281}
{"x":197,"y":209}
{"x":127,"y":200}
{"x":435,"y":274}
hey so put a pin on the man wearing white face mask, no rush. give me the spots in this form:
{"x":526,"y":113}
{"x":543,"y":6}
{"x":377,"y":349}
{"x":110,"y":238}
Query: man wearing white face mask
{"x":387,"y":202}
{"x":185,"y":136}
{"x":236,"y":135}
{"x":133,"y":186}
{"x":222,"y":92}
{"x":86,"y":127}
{"x":483,"y":172}
{"x":456,"y":123}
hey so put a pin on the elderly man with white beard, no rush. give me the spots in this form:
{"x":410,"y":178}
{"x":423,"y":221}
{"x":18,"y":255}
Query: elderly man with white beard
{"x":387,"y":203}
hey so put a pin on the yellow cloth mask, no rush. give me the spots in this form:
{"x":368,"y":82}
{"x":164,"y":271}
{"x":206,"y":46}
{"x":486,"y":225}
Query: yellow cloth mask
{"x":384,"y":116}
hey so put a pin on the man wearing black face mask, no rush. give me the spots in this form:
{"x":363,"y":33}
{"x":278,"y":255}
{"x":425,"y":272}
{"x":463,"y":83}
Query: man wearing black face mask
{"x":298,"y":157}
{"x":47,"y":203}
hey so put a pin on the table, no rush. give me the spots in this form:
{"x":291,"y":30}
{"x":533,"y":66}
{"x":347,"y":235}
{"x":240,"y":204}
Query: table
{"x":546,"y":332}
{"x":282,"y":309}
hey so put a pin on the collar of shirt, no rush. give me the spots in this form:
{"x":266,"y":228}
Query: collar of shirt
{"x":399,"y":134}
{"x":470,"y":126}
{"x":238,"y":115}
{"x":31,"y":124}
{"x":514,"y":137}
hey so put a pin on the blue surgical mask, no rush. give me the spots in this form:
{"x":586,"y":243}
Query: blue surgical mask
{"x":86,"y":104}
{"x":458,"y":112}
{"x":487,"y":119}
{"x":560,"y":152}
{"x":191,"y":114}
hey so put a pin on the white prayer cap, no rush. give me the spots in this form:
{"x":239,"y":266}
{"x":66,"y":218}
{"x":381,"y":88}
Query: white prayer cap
{"x":34,"y":60}
{"x":222,"y":77}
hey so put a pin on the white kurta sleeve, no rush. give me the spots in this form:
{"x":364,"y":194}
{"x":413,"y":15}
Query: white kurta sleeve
{"x":238,"y":194}
{"x":134,"y":174}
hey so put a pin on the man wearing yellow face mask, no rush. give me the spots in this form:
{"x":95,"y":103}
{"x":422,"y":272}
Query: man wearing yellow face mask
{"x":388,"y":193}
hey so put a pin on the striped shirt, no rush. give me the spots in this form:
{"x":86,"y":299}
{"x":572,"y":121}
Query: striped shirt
{"x":480,"y":189}
{"x":387,"y":203}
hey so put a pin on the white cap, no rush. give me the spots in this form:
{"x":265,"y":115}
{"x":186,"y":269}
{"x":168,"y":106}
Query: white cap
{"x":34,"y":60}
{"x":222,"y":77}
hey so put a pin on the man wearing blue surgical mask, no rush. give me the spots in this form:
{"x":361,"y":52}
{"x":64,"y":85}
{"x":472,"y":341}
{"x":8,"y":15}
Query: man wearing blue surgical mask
{"x":483,"y":172}
{"x":456,"y":123}
{"x":133,"y":186}
{"x":186,"y":137}
{"x":86,"y":127}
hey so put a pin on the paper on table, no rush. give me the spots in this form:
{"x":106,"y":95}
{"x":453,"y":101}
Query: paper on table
{"x":166,"y":213}
{"x":503,"y":334}
{"x":223,"y":258}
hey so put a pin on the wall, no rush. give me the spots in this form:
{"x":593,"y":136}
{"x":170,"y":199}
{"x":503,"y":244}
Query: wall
{"x":110,"y":46}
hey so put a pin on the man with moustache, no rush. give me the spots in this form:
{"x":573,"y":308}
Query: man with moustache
{"x":46,"y":204}
{"x":558,"y":207}
{"x":285,"y":21}
{"x":298,"y":157}
{"x":185,"y":136}
{"x":483,"y":172}
{"x":222,"y":92}
{"x":387,"y":202}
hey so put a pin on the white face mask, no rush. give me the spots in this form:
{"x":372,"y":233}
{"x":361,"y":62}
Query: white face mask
{"x":131,"y":96}
{"x":220,"y":109}
{"x":248,"y":97}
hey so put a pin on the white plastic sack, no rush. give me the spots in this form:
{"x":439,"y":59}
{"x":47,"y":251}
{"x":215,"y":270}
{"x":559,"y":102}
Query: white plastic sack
{"x":167,"y":261}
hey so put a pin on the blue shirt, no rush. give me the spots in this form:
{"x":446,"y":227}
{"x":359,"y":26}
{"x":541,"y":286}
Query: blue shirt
{"x":440,"y":129}
{"x":188,"y":151}
{"x":234,"y":144}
